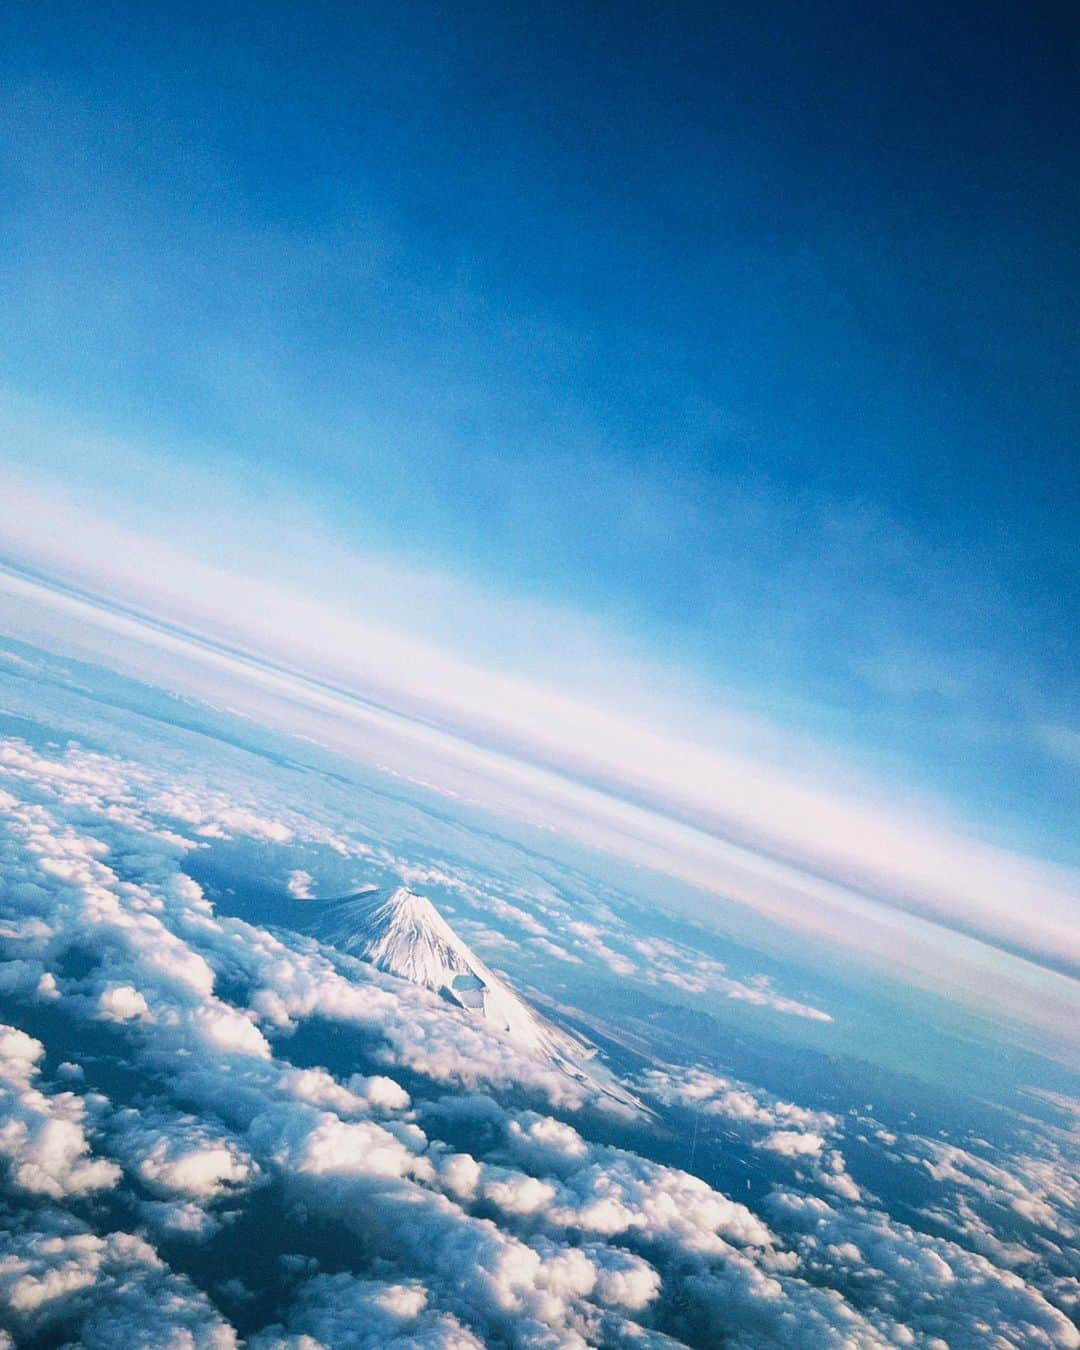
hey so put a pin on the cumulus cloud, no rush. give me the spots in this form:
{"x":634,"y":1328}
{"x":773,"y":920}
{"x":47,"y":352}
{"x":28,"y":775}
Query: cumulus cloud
{"x":935,"y":1287}
{"x":174,"y":1154}
{"x":355,"y":1314}
{"x":122,"y":1003}
{"x":55,"y":1273}
{"x":468,"y":1216}
{"x":300,"y":884}
{"x":1043,"y":1190}
{"x":781,"y":1128}
{"x":43,"y":1140}
{"x":793,"y":1144}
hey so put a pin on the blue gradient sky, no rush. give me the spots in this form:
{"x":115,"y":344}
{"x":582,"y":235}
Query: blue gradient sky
{"x":748,"y":339}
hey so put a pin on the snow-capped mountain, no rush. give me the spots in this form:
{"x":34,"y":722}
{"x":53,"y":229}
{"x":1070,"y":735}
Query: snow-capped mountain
{"x":405,"y":935}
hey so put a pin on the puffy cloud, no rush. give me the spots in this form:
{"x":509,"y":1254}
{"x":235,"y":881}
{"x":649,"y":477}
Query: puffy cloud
{"x":224,"y":1028}
{"x":934,"y":1287}
{"x":616,"y":1193}
{"x":624,"y":1280}
{"x":354,"y":1314}
{"x":380,"y":1091}
{"x":307,"y":1143}
{"x":793,"y":1144}
{"x":43,"y":1141}
{"x":300,"y":884}
{"x":746,"y":1306}
{"x":360,"y":1095}
{"x":115,"y":1288}
{"x":545,"y":1142}
{"x":122,"y":1003}
{"x":1043,"y":1190}
{"x":784,"y":1129}
{"x":705,"y":1251}
{"x":204,"y":1171}
{"x":489,"y":1222}
{"x":460,"y":1174}
{"x":701,"y":1090}
{"x":519,"y":1194}
{"x":179,"y":1219}
{"x":179,"y":1155}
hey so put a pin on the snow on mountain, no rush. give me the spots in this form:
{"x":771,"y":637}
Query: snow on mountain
{"x":404,"y":934}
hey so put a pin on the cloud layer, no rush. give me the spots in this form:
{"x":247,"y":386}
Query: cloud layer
{"x":474,"y":1191}
{"x":972,"y":885}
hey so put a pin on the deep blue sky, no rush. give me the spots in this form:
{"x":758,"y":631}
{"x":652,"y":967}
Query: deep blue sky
{"x":753,"y":332}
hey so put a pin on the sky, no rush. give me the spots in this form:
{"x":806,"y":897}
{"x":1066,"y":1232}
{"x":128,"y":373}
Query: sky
{"x":674,"y":398}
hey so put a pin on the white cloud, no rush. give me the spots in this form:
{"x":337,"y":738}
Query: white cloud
{"x":494,"y":1222}
{"x":114,"y":1287}
{"x":714,"y":1095}
{"x":300,"y":884}
{"x":359,"y":1095}
{"x":1042,"y":1188}
{"x":793,"y":1144}
{"x":355,"y":1314}
{"x":782,"y":1128}
{"x":179,"y":1219}
{"x":43,"y":1140}
{"x":699,"y":794}
{"x":935,"y":1287}
{"x":696,"y":974}
{"x":122,"y":1003}
{"x":177,"y":1155}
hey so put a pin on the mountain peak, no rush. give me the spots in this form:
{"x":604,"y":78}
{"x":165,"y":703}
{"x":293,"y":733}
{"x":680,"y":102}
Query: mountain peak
{"x":405,"y":911}
{"x":404,"y":934}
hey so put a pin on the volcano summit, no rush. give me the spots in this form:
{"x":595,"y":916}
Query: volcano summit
{"x":405,"y":935}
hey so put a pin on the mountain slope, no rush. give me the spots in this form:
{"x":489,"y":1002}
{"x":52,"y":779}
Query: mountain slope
{"x":405,"y":935}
